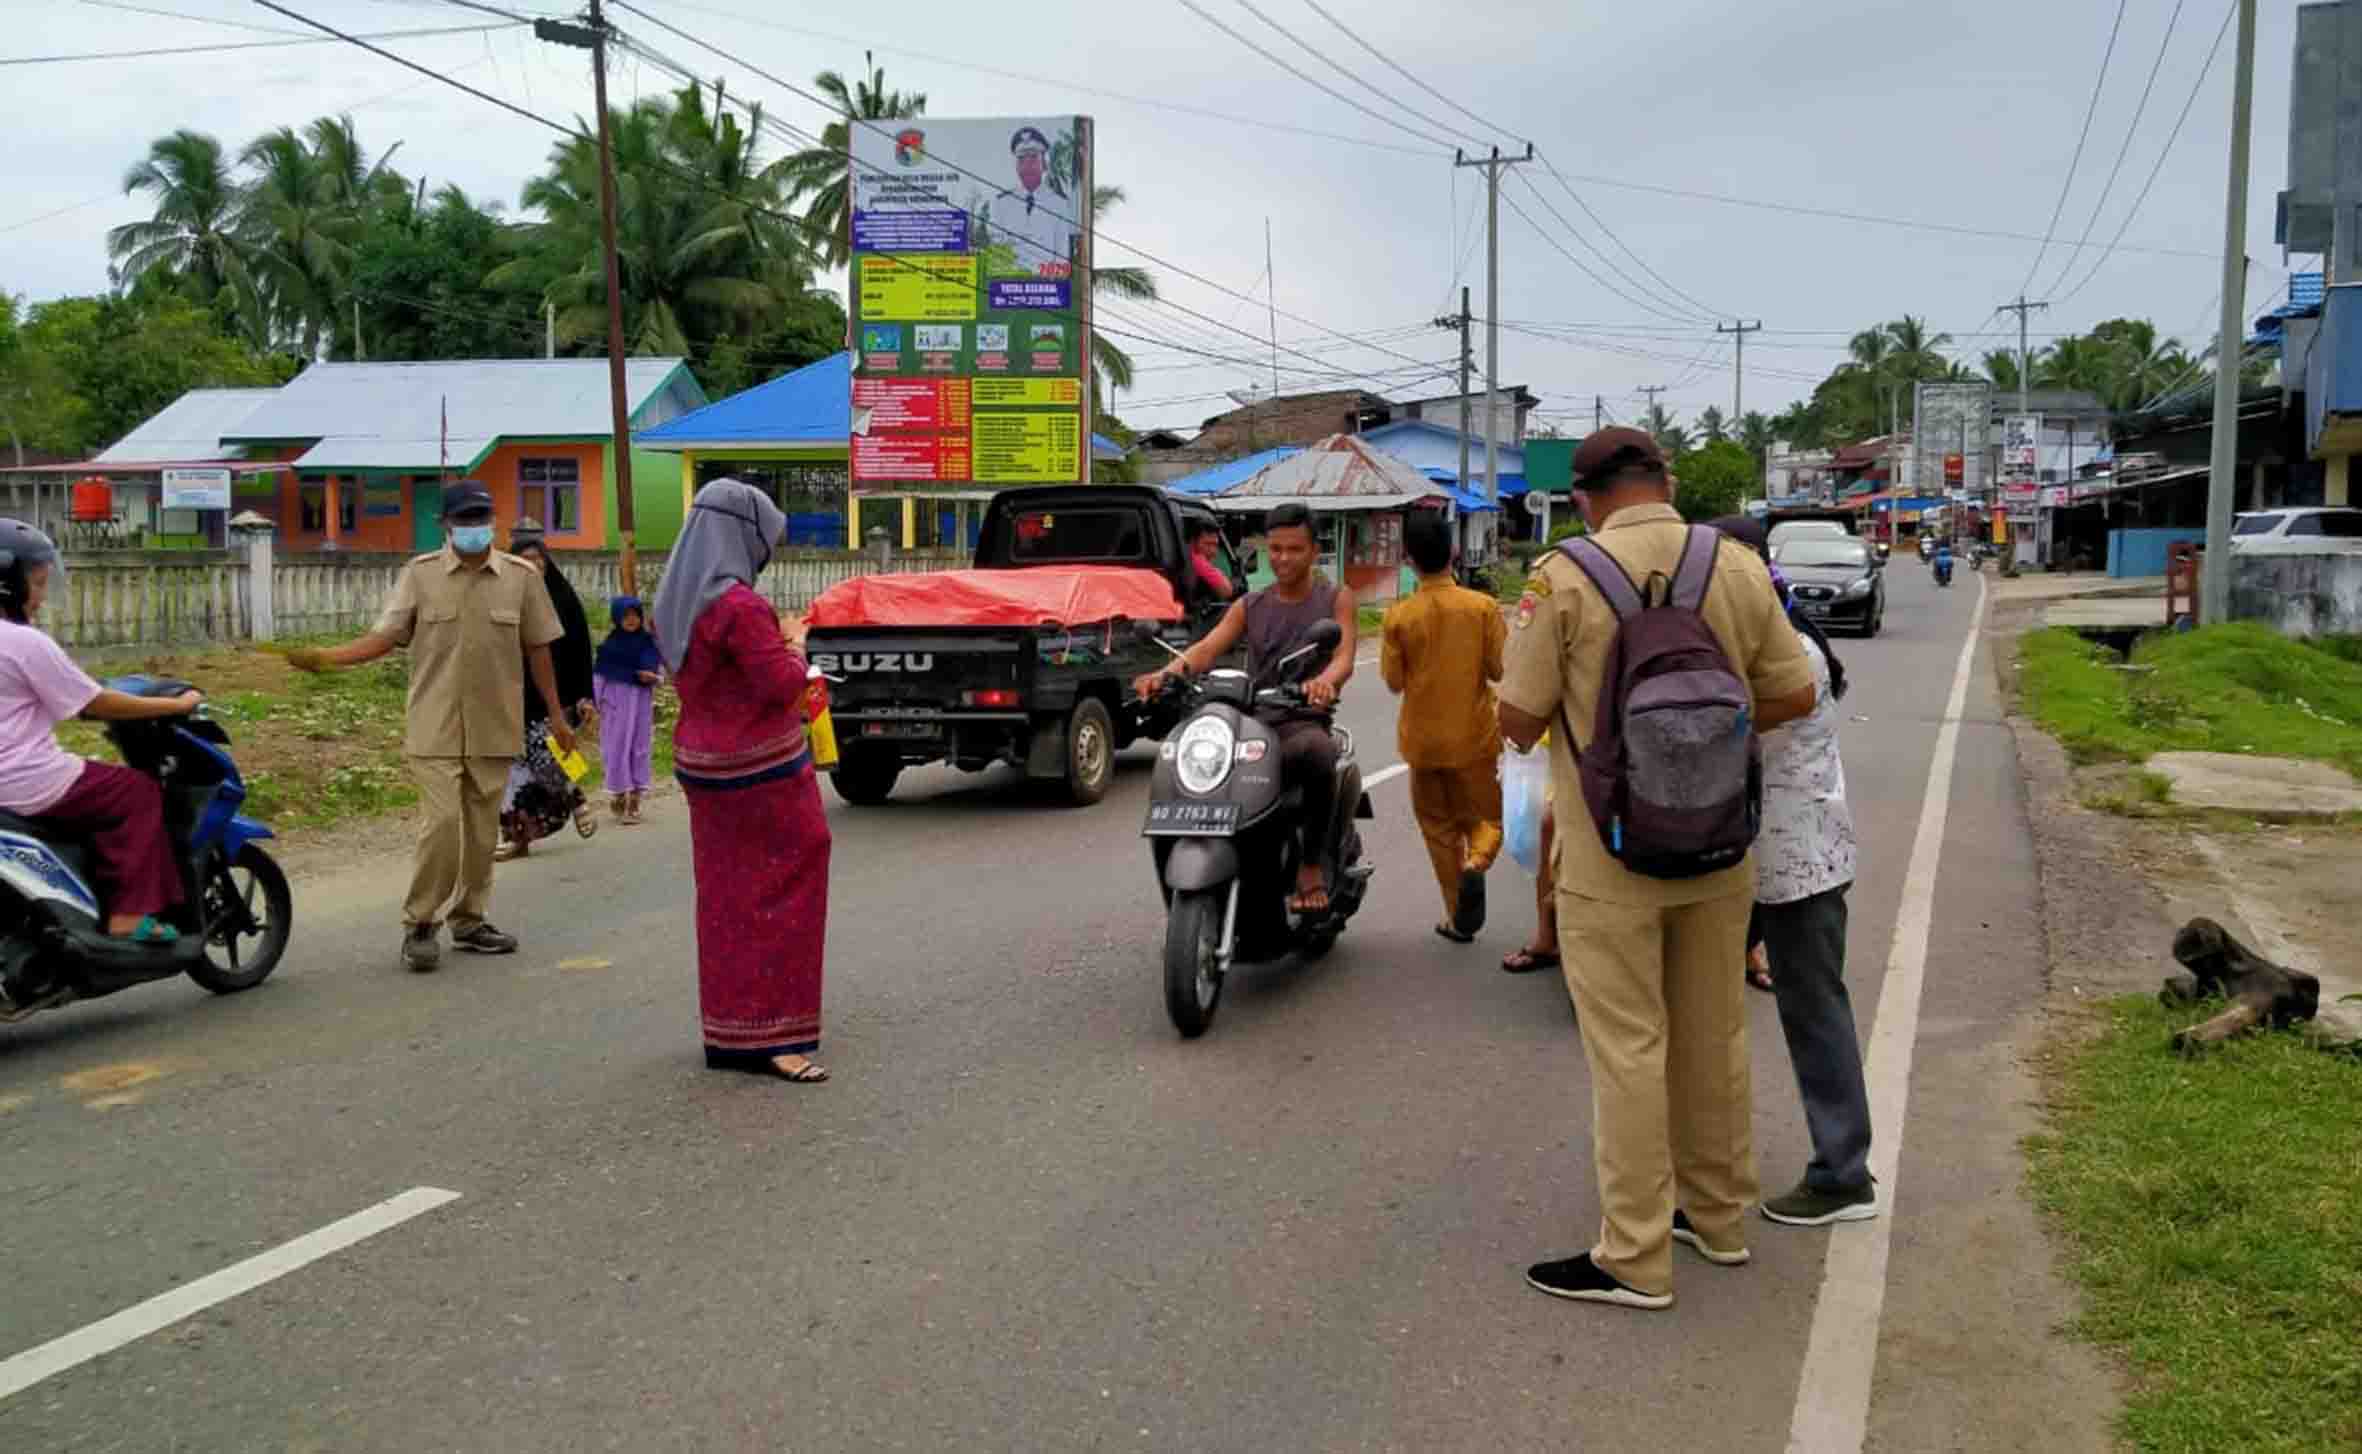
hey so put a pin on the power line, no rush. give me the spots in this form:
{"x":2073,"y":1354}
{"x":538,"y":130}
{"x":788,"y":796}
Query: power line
{"x":238,"y":45}
{"x":196,"y":19}
{"x":2172,"y":21}
{"x":1601,"y":222}
{"x":2098,"y":84}
{"x":1317,"y":84}
{"x":1643,"y":303}
{"x":1382,"y":59}
{"x":1583,"y":267}
{"x":2162,"y":153}
{"x":1356,"y":78}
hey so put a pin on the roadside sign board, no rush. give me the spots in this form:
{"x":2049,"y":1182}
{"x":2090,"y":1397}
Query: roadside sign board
{"x":196,"y":489}
{"x":971,"y":302}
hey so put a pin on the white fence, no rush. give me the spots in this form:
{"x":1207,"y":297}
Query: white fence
{"x":196,"y":598}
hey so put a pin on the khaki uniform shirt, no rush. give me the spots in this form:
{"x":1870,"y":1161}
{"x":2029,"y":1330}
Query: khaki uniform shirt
{"x":1558,"y":655}
{"x":1442,"y":652}
{"x":468,"y":630}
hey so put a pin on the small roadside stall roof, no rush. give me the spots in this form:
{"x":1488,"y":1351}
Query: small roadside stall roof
{"x":1339,"y":474}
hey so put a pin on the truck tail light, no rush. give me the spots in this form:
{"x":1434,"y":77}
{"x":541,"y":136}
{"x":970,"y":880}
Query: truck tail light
{"x":991,"y":697}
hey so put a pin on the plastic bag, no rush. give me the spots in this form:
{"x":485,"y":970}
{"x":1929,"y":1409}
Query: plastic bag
{"x":1525,"y":784}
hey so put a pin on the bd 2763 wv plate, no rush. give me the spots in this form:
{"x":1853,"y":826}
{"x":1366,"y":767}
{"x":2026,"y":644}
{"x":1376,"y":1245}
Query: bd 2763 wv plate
{"x":1180,"y":818}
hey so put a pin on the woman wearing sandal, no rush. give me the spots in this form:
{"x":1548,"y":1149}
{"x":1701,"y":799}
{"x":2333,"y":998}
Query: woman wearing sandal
{"x":541,"y":798}
{"x":758,"y":839}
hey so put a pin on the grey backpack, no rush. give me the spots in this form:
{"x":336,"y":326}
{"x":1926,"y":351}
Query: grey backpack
{"x":1673,"y":775}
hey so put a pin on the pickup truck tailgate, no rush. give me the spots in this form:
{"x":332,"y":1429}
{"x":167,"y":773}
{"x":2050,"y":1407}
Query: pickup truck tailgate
{"x":889,"y":672}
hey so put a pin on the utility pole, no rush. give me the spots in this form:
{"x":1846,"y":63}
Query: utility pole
{"x":1652,"y":390}
{"x":1739,"y":330}
{"x":1492,"y":166}
{"x":1271,"y":305}
{"x":360,"y":353}
{"x":549,"y":329}
{"x":2025,"y":367}
{"x":1461,"y":321}
{"x":2214,"y":574}
{"x":1598,"y":413}
{"x":1997,"y":503}
{"x":592,"y":36}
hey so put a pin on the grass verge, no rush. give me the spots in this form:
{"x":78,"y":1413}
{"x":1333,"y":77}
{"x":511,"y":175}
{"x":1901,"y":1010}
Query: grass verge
{"x":2235,"y":688}
{"x":2211,"y":1210}
{"x":315,"y":750}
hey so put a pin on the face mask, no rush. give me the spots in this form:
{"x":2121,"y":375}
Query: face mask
{"x":471,"y":539}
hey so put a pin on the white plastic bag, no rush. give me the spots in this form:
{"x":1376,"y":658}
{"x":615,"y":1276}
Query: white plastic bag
{"x":1525,"y":782}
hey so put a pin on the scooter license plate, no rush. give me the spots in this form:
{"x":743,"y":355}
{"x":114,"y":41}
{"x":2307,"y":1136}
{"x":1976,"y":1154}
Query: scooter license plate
{"x":1187,"y":819}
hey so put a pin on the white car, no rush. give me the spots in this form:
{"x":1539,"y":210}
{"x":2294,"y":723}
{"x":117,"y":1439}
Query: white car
{"x":2334,"y":530}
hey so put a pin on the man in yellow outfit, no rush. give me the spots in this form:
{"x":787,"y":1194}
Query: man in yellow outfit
{"x":1442,"y":654}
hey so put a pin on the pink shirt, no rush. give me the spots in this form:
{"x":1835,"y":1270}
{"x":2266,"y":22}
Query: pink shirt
{"x":39,"y":687}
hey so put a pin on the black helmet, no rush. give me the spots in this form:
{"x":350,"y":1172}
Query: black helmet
{"x":21,"y":549}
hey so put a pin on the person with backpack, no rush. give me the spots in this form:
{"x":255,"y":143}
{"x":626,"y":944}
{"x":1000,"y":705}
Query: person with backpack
{"x":1655,"y":652}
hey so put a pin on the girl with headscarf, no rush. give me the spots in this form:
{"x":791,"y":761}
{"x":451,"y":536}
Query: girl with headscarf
{"x":628,"y":669}
{"x":759,"y":841}
{"x":540,"y":796}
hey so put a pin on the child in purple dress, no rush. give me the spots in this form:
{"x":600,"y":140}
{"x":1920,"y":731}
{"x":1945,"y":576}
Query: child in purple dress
{"x":628,"y":670}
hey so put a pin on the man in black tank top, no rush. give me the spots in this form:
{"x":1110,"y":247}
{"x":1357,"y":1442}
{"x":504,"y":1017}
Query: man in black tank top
{"x":1270,"y":622}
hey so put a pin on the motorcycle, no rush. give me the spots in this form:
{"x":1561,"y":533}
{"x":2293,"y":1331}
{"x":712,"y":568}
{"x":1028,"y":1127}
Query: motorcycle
{"x":1943,"y":567}
{"x":236,"y":909}
{"x":1223,"y":833}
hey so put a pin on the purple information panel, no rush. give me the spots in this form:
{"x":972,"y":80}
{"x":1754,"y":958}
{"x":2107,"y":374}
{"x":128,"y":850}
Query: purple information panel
{"x":928,"y":231}
{"x":1003,"y":293}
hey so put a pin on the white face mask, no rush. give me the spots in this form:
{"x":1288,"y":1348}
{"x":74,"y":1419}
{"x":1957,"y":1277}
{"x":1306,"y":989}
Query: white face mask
{"x":471,"y":539}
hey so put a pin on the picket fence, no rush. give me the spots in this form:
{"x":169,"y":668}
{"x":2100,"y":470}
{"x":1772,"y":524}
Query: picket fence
{"x":199,"y":598}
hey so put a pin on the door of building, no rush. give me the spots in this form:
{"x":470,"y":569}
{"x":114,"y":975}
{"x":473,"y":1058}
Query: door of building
{"x":426,"y":515}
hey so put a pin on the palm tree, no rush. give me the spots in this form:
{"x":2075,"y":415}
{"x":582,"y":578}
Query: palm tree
{"x":1917,"y":353}
{"x":2074,"y":363}
{"x":2140,"y":365}
{"x":301,"y":234}
{"x":1711,"y":427}
{"x":195,"y":230}
{"x":816,"y":175}
{"x":354,"y":183}
{"x":1111,"y":367}
{"x":1756,"y":434}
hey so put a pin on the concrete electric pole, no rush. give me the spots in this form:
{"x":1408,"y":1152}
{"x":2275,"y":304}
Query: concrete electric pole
{"x":1738,"y":363}
{"x":1492,"y":307}
{"x":2222,"y":485}
{"x":1461,"y":321}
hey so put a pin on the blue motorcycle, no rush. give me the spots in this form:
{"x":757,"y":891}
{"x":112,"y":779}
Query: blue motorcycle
{"x":1943,"y":566}
{"x":236,"y":909}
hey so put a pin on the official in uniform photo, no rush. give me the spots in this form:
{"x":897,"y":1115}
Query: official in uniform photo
{"x":1033,"y":218}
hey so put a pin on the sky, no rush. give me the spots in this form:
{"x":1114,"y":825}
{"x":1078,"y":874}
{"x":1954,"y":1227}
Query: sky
{"x":1645,"y":118}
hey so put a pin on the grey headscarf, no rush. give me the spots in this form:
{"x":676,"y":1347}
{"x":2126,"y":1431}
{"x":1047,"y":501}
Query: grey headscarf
{"x":727,"y":539}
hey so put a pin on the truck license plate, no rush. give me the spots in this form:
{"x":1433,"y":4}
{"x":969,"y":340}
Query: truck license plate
{"x":1182,"y":819}
{"x":900,"y":729}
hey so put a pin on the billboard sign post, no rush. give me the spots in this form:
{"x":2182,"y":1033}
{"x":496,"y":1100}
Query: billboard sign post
{"x":971,"y":302}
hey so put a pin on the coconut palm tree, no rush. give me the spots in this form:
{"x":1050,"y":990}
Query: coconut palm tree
{"x":1712,"y":429}
{"x":301,"y":234}
{"x":1111,"y":367}
{"x":195,"y":231}
{"x":816,"y":176}
{"x":1918,"y":354}
{"x":1756,"y":433}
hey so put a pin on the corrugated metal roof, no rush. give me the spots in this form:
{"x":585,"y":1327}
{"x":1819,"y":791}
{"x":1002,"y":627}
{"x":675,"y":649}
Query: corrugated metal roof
{"x":1340,"y":466}
{"x":389,"y":416}
{"x":1215,"y":478}
{"x":812,"y":405}
{"x":191,"y":427}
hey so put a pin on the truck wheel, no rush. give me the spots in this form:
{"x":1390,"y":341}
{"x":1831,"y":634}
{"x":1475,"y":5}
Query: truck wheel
{"x":1193,"y":974}
{"x":865,"y":779}
{"x":1090,"y":752}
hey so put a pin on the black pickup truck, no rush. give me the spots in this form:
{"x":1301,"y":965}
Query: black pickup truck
{"x":1055,"y":701}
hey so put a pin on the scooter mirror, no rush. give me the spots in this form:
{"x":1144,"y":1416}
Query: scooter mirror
{"x":1147,"y":631}
{"x":1325,"y":634}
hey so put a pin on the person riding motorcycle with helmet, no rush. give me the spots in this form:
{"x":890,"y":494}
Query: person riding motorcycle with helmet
{"x":120,"y":811}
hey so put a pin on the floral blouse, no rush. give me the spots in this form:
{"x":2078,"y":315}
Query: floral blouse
{"x":1807,"y":844}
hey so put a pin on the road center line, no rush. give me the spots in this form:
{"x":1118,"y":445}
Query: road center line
{"x":133,"y":1323}
{"x":1832,"y":1414}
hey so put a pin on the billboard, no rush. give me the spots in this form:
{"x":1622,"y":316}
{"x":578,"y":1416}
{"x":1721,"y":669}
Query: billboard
{"x":196,"y":489}
{"x":1950,"y":429}
{"x":2021,"y":444}
{"x":970,"y":296}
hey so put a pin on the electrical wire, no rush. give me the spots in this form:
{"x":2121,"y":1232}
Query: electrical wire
{"x":1581,"y":266}
{"x":1601,"y":223}
{"x":1648,"y":303}
{"x":1357,"y":78}
{"x":197,"y":19}
{"x":1383,"y":59}
{"x":242,"y":45}
{"x":2171,"y":22}
{"x":2098,"y":84}
{"x":1314,"y":82}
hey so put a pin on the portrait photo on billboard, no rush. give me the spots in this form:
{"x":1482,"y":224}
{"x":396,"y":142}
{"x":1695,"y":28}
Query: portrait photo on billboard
{"x":1013,"y":191}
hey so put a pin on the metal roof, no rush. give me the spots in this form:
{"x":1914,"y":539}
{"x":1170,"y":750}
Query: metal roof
{"x":391,"y":416}
{"x":1215,"y":478}
{"x":189,"y":429}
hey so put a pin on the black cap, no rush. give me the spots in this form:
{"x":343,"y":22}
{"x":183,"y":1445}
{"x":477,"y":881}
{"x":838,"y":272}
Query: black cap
{"x":1025,"y":134}
{"x":1608,"y":452}
{"x":468,"y":497}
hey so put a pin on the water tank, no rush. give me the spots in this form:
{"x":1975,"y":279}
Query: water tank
{"x":94,"y":500}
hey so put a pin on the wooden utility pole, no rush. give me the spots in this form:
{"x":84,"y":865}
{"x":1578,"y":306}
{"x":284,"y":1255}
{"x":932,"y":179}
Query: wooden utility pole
{"x":592,"y":35}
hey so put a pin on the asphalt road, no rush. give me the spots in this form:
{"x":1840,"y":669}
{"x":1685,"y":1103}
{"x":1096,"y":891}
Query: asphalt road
{"x":1024,"y":1215}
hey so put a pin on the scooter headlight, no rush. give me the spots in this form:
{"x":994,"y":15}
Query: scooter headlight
{"x":1203,"y":762}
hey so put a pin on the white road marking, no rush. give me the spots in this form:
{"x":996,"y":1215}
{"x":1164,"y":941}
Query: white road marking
{"x":1832,"y":1414}
{"x":133,"y":1323}
{"x":1385,"y":775}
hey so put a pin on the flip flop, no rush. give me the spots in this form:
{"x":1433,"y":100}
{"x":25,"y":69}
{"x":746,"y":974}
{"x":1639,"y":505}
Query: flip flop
{"x":150,"y":931}
{"x":1447,"y":931}
{"x":806,"y":1074}
{"x":1526,"y":961}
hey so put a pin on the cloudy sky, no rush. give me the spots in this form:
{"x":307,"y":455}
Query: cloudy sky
{"x":1670,"y":121}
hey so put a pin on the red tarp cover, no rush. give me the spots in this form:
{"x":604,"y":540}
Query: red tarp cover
{"x":1039,"y":596}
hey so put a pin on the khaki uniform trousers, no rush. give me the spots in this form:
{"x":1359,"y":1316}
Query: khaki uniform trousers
{"x":1662,"y":1006}
{"x":459,"y":826}
{"x":1459,"y":814}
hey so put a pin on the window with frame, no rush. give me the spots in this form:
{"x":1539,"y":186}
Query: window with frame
{"x":549,"y":488}
{"x":314,"y":495}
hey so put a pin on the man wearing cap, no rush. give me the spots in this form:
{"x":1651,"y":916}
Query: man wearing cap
{"x":1652,"y":964}
{"x":1032,"y":218}
{"x":473,"y":618}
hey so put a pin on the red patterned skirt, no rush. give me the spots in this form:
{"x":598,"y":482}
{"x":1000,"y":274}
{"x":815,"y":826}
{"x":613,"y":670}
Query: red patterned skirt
{"x":760,"y":853}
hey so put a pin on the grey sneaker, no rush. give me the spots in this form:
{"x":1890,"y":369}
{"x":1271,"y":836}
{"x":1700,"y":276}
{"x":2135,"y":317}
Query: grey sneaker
{"x":1811,"y":1206}
{"x":483,"y":939}
{"x":422,"y":949}
{"x":1687,"y":1236}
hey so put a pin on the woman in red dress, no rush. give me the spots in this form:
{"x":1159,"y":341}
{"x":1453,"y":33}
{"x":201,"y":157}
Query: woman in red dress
{"x":758,"y":838}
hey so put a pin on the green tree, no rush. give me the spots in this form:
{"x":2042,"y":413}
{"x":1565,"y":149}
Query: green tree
{"x":110,"y":362}
{"x":418,"y":272}
{"x":196,"y":232}
{"x":816,"y":175}
{"x":300,"y":235}
{"x":1712,"y":428}
{"x":2001,"y":366}
{"x":1755,"y":435}
{"x":1716,"y":479}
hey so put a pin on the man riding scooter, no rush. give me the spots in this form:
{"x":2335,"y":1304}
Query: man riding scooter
{"x":1943,"y":562}
{"x":1272,"y":623}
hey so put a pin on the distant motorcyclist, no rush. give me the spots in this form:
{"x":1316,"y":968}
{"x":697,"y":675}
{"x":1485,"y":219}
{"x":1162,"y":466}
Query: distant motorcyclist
{"x":1272,"y":622}
{"x":1943,"y":562}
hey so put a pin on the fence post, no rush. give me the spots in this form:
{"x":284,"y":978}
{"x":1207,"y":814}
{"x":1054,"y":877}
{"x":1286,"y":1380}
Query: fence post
{"x":256,"y":530}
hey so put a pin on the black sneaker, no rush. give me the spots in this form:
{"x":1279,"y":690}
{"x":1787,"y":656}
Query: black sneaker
{"x":1811,"y":1206}
{"x":1579,"y":1278}
{"x":483,"y":939}
{"x":422,"y":949}
{"x":1687,"y":1236}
